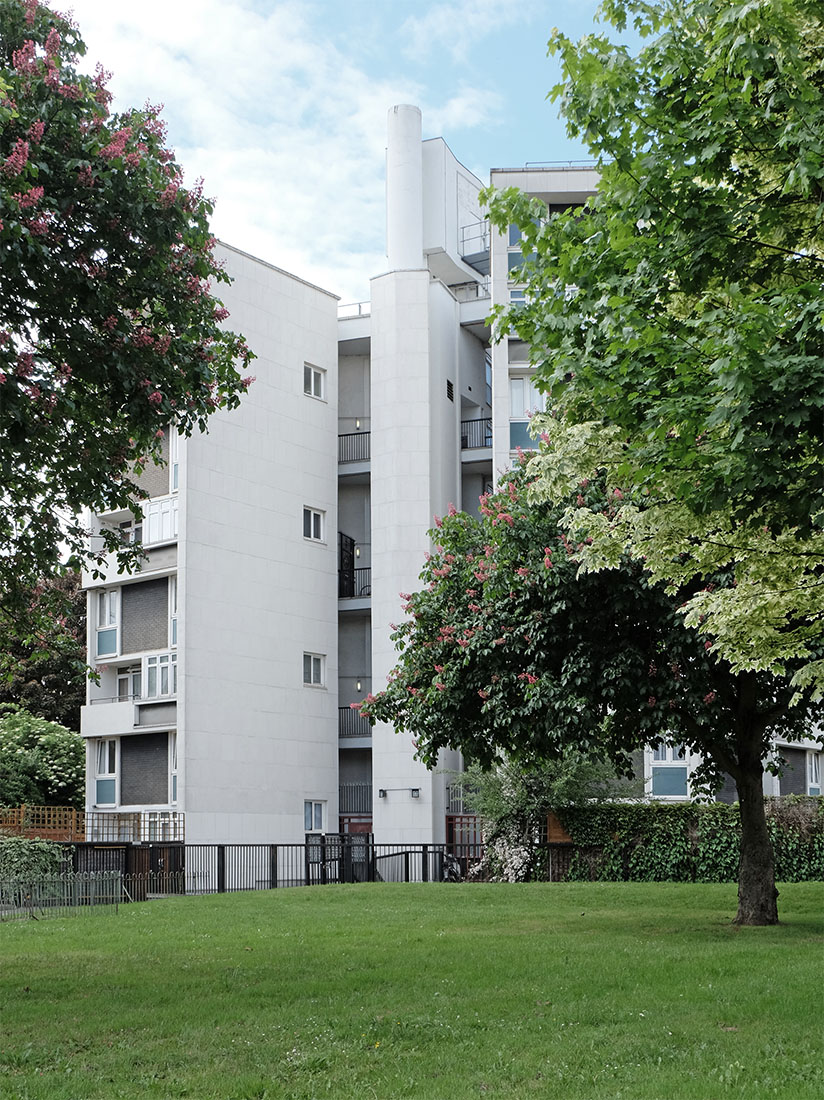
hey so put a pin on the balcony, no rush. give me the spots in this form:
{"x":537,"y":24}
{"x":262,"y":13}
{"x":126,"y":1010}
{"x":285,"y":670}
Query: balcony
{"x":475,"y":245}
{"x":355,"y":798}
{"x":476,"y":434}
{"x":353,"y":447}
{"x":135,"y":827}
{"x":351,"y":723}
{"x":354,"y":584}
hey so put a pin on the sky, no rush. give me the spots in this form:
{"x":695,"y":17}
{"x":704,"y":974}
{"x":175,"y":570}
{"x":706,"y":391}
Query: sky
{"x":280,"y":105}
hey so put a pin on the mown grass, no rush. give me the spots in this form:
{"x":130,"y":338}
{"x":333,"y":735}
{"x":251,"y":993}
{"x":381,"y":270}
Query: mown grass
{"x":638,"y":992}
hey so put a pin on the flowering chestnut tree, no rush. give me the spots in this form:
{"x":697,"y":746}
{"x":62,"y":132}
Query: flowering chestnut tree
{"x":108,"y":328}
{"x":507,"y":651}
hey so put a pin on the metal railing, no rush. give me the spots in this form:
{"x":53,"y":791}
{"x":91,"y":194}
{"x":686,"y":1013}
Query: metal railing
{"x":474,"y":238}
{"x":354,"y":447}
{"x":351,"y":723}
{"x":355,"y":798}
{"x":135,"y":827}
{"x":355,"y":582}
{"x":58,"y":895}
{"x":354,"y":309}
{"x":476,"y":433}
{"x":471,"y":292}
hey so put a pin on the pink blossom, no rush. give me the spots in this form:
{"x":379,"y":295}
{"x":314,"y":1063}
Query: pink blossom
{"x":707,"y":645}
{"x":85,"y":176}
{"x":440,"y":686}
{"x":25,"y":59}
{"x":709,"y":697}
{"x":155,"y":397}
{"x":248,"y":380}
{"x":651,"y":701}
{"x":530,"y":679}
{"x":31,"y":7}
{"x":69,"y":91}
{"x":143,"y":338}
{"x":162,"y":344}
{"x":52,"y":42}
{"x":522,"y":571}
{"x":220,"y":314}
{"x":36,"y":131}
{"x":452,"y":510}
{"x":29,"y":198}
{"x":169,"y":193}
{"x":618,"y":494}
{"x":117,"y":145}
{"x":25,"y":364}
{"x":17,"y":159}
{"x":438,"y":668}
{"x":483,"y":694}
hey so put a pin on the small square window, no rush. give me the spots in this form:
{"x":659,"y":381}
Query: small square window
{"x":314,"y":381}
{"x":313,"y":524}
{"x":314,"y":667}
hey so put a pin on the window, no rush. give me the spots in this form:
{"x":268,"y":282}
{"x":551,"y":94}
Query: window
{"x":160,"y":520}
{"x":524,"y":401}
{"x":813,"y":773}
{"x":450,"y":390}
{"x":173,"y":767}
{"x":108,"y":604}
{"x":131,"y":531}
{"x":314,"y":667}
{"x":174,"y":459}
{"x":173,"y":611}
{"x":105,"y":773}
{"x":669,"y":771}
{"x":161,"y":675}
{"x":128,"y":683}
{"x":314,"y":814}
{"x":314,"y":381}
{"x":313,"y":524}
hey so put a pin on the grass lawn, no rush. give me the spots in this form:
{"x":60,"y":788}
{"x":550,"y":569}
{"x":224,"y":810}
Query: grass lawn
{"x":581,"y":992}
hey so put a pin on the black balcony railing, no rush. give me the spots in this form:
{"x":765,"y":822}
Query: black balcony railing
{"x":355,"y":798}
{"x":353,"y":447}
{"x":353,"y":583}
{"x":476,"y":433}
{"x":352,"y":724}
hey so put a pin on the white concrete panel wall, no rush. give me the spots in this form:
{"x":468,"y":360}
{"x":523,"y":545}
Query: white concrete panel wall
{"x":254,"y":594}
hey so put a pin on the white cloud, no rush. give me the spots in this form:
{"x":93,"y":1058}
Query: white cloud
{"x":459,"y":24}
{"x":285,"y":128}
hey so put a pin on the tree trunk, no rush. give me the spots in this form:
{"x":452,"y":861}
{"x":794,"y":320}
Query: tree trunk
{"x":757,"y":895}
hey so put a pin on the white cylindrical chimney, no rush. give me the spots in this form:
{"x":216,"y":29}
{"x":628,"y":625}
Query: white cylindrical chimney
{"x":404,"y":189}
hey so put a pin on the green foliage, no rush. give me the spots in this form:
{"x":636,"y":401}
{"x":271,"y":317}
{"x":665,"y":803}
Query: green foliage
{"x":48,"y":678}
{"x":677,"y":322}
{"x":42,"y":761}
{"x":23,"y":860}
{"x":654,"y":842}
{"x":108,"y":329}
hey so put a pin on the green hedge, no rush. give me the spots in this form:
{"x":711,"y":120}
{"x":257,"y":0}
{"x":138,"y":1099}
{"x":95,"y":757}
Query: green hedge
{"x":688,"y":842}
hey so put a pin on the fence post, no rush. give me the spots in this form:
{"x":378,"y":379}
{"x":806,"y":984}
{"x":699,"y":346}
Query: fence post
{"x":306,"y":870}
{"x":221,"y":868}
{"x":425,"y":863}
{"x":406,"y":866}
{"x":323,"y":876}
{"x":273,"y":866}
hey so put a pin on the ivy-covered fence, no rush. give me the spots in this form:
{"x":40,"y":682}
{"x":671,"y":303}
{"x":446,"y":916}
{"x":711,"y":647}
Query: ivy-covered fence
{"x":656,"y":842}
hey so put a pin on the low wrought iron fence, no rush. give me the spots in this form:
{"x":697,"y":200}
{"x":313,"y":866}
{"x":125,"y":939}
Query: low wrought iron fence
{"x":59,"y":895}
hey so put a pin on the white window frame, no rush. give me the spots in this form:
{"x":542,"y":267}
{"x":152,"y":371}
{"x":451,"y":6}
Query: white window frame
{"x":173,"y":611}
{"x":106,"y":761}
{"x":314,"y":381}
{"x":173,"y":771}
{"x":130,"y":677}
{"x":131,"y":531}
{"x":160,"y":520}
{"x":314,"y":520}
{"x":160,"y":676}
{"x":813,"y":772}
{"x":174,"y":459}
{"x":107,"y":619}
{"x":667,"y":757}
{"x":314,"y":815}
{"x":314,"y":670}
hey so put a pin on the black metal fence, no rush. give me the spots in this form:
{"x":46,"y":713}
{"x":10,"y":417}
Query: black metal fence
{"x":476,"y":433}
{"x":354,"y":447}
{"x":58,"y":895}
{"x":355,"y":582}
{"x":351,"y":723}
{"x":162,"y":870}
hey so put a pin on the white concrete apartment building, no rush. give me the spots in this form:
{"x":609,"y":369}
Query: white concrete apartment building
{"x":278,"y":543}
